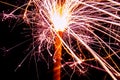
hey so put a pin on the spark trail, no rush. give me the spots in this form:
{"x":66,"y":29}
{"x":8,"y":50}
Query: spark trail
{"x":75,"y":25}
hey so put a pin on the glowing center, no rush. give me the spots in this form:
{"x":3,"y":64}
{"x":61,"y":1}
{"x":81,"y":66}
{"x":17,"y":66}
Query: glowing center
{"x":59,"y":19}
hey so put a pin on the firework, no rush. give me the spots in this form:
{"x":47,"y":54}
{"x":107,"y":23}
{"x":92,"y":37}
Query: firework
{"x":85,"y":30}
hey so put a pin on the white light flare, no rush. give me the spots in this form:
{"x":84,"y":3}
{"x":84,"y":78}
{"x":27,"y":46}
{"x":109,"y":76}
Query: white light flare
{"x":60,"y":22}
{"x":59,"y":18}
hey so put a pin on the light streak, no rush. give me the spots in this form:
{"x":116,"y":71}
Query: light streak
{"x":57,"y":57}
{"x":69,"y":23}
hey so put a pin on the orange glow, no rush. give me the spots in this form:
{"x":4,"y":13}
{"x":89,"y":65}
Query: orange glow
{"x":57,"y":57}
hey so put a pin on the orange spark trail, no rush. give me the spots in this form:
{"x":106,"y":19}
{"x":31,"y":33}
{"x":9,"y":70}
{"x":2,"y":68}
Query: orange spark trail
{"x":57,"y":57}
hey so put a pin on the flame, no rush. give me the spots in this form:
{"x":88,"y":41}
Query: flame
{"x":59,"y":18}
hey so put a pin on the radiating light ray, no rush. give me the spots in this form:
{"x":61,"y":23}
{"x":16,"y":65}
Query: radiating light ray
{"x":100,"y":59}
{"x":107,"y":46}
{"x":115,"y":2}
{"x":115,"y":16}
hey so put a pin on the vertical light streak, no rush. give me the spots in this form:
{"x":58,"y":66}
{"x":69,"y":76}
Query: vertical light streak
{"x":59,"y":21}
{"x":57,"y":57}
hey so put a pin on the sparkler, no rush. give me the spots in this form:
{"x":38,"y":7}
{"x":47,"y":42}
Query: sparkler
{"x":72,"y":23}
{"x":59,"y":21}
